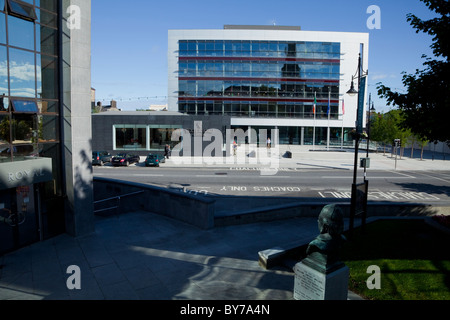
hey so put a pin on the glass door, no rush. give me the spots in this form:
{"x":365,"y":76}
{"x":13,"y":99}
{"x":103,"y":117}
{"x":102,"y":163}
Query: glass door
{"x":18,"y":218}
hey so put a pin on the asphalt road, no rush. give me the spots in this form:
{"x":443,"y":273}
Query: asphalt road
{"x":413,"y":186}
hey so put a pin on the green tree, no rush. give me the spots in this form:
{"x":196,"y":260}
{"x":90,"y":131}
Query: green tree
{"x":426,"y":105}
{"x":378,"y":128}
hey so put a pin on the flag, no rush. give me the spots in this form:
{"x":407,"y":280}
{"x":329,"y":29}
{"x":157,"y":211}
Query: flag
{"x":343,"y":108}
{"x":314,"y":105}
{"x":328,"y":110}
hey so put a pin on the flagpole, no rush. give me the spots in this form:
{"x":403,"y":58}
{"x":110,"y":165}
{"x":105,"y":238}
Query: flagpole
{"x":314,"y":127}
{"x":342,"y":130}
{"x":328,"y":111}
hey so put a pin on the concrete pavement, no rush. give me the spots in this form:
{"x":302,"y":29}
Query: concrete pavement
{"x":141,"y":255}
{"x":320,"y":157}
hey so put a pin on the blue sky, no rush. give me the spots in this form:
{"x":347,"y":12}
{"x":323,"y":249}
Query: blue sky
{"x":129,"y":38}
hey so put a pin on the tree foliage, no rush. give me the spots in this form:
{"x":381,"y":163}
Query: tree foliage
{"x":426,"y":105}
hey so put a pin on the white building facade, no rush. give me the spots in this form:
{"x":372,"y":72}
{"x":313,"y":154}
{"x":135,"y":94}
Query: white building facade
{"x":269,"y":77}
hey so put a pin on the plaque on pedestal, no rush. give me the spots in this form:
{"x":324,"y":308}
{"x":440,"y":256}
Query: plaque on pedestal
{"x":311,"y":284}
{"x":321,"y":275}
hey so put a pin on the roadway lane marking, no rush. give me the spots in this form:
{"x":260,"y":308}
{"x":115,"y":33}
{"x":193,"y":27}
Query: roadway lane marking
{"x":426,"y":175}
{"x":369,"y":177}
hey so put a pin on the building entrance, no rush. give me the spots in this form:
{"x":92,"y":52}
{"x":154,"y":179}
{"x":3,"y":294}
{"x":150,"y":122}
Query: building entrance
{"x":19,"y":217}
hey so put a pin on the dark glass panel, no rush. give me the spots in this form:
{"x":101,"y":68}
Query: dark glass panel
{"x":50,"y":5}
{"x":47,"y":40}
{"x":49,"y":72}
{"x":21,"y":9}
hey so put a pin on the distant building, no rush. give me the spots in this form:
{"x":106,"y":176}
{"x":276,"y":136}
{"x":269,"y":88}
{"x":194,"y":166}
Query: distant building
{"x":269,"y":77}
{"x":249,"y":77}
{"x":111,"y":107}
{"x":157,"y":107}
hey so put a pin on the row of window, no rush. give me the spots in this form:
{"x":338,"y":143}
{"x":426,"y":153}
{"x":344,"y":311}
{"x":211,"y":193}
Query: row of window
{"x":233,"y":48}
{"x":142,"y":137}
{"x":20,"y":34}
{"x":26,"y":8}
{"x":306,"y":135}
{"x":44,"y":12}
{"x":317,"y":70}
{"x":30,"y":75}
{"x":281,"y":89}
{"x":260,"y":109}
{"x":28,"y":78}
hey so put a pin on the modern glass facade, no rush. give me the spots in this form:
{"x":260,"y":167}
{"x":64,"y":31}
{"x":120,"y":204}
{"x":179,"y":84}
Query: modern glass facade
{"x":29,"y":121}
{"x":277,"y":79}
{"x":35,"y":162}
{"x":29,"y":78}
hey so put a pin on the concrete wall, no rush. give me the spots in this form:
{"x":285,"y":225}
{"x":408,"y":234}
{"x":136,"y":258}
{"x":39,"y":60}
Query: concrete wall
{"x":76,"y":99}
{"x":194,"y":210}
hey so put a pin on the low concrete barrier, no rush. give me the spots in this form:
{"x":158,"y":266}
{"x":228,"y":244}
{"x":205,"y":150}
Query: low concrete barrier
{"x":205,"y":212}
{"x":194,"y":210}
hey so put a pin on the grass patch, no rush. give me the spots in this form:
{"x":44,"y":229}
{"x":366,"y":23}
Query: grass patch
{"x":414,"y":259}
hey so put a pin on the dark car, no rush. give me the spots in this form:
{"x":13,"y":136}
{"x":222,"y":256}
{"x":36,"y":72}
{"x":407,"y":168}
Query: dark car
{"x":100,"y":157}
{"x":154,"y":160}
{"x":124,"y":159}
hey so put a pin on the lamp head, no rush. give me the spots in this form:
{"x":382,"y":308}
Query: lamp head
{"x":352,"y":92}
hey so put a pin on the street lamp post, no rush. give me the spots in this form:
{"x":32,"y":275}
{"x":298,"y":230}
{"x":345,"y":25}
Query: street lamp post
{"x":358,"y":131}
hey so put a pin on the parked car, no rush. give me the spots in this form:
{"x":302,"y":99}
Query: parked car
{"x":154,"y":160}
{"x":124,"y":159}
{"x":100,"y":157}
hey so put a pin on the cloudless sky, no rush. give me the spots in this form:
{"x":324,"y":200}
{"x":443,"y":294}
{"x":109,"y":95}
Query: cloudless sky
{"x":129,"y":38}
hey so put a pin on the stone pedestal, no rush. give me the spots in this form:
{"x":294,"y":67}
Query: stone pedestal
{"x":311,"y":284}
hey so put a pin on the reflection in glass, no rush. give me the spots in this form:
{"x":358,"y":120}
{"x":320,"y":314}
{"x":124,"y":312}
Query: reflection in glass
{"x":22,"y":73}
{"x":3,"y":71}
{"x":24,"y":106}
{"x":49,"y":5}
{"x":47,"y":106}
{"x":23,"y":128}
{"x":21,"y":33}
{"x":49,"y":77}
{"x":47,"y":18}
{"x":47,"y":128}
{"x":46,"y":40}
{"x":22,"y":9}
{"x":2,"y":27}
{"x":3,"y":103}
{"x":130,"y":137}
{"x":4,"y":129}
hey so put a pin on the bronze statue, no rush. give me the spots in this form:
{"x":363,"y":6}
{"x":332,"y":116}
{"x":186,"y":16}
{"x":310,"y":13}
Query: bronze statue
{"x":323,"y":252}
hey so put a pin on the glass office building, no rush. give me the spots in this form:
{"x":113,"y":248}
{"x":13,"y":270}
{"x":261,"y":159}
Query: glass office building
{"x":268,"y":77}
{"x":34,"y":103}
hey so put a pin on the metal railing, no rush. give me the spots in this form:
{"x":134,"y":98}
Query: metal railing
{"x":117,"y":198}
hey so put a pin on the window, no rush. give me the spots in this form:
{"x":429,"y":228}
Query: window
{"x":21,"y":10}
{"x":24,"y":106}
{"x":21,"y":33}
